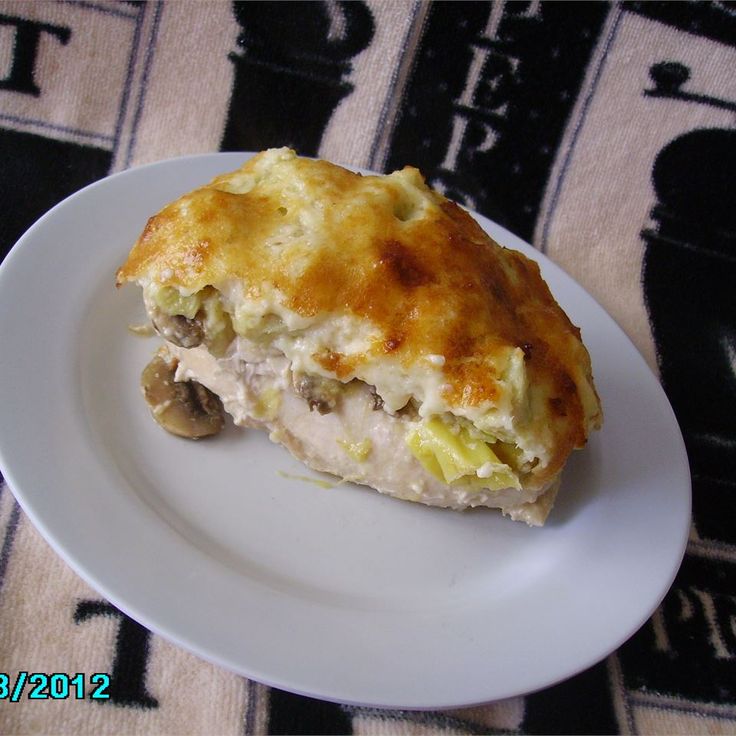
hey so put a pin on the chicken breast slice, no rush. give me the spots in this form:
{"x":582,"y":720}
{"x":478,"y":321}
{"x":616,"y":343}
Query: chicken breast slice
{"x":354,"y":440}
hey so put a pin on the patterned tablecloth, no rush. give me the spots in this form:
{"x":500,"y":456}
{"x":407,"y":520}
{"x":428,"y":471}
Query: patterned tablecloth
{"x":602,"y":133}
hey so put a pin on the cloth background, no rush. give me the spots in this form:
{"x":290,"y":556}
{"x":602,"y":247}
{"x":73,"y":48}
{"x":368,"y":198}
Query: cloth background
{"x":602,"y":133}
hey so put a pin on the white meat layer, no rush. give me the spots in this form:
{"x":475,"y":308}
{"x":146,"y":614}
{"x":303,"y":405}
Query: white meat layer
{"x":355,"y":441}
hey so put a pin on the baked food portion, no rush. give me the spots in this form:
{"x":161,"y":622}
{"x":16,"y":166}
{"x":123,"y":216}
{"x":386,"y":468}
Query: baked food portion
{"x":373,"y":328}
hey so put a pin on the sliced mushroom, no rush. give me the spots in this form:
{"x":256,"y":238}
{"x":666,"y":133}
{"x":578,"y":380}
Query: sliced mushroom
{"x":322,"y":394}
{"x":182,"y":331}
{"x":184,"y":408}
{"x":377,"y":400}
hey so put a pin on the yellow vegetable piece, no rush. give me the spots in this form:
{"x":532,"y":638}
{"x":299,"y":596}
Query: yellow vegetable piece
{"x":171,"y":302}
{"x":453,"y":457}
{"x":268,"y":404}
{"x":257,"y":326}
{"x":218,"y":328}
{"x":359,"y":451}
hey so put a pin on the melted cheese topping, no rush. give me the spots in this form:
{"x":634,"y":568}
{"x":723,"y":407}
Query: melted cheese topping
{"x":382,"y":279}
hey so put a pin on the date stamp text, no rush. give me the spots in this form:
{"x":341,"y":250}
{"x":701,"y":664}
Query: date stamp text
{"x":54,"y":686}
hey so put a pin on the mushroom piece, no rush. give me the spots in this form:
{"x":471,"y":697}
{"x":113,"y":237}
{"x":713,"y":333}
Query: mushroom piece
{"x":376,"y":398}
{"x":322,"y":394}
{"x":184,"y":408}
{"x":182,"y":331}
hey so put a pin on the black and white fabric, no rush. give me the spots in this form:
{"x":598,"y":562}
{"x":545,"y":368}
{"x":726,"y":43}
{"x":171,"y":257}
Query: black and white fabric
{"x":603,"y":133}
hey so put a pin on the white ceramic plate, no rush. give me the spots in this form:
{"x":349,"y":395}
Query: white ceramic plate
{"x":337,"y":593}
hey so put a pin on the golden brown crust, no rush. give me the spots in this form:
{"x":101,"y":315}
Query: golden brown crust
{"x":420,"y":270}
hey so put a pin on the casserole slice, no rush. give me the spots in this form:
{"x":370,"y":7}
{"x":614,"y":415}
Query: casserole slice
{"x":369,"y":325}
